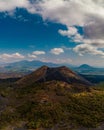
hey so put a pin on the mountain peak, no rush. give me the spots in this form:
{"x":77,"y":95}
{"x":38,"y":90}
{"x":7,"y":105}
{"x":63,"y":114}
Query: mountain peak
{"x":44,"y":67}
{"x":85,"y":66}
{"x":45,"y":73}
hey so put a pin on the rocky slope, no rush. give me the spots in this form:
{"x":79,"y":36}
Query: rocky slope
{"x":46,"y":73}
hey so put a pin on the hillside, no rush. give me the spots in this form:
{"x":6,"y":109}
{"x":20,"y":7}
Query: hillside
{"x":51,"y":98}
{"x":62,"y":74}
{"x":49,"y":105}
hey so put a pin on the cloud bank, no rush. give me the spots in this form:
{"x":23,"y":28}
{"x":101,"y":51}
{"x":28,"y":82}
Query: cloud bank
{"x":9,"y":57}
{"x":89,"y":15}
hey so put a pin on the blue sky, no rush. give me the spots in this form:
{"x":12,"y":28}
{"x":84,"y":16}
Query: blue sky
{"x":52,"y":33}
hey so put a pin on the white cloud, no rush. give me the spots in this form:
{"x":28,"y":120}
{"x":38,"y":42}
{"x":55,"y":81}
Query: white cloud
{"x":86,"y":48}
{"x":71,"y":12}
{"x":38,"y":53}
{"x":32,"y":56}
{"x":57,"y":51}
{"x":10,"y":5}
{"x":14,"y":56}
{"x":70,"y":32}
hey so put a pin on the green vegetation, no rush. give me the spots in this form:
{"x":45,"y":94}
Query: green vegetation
{"x":100,"y":86}
{"x":47,"y":104}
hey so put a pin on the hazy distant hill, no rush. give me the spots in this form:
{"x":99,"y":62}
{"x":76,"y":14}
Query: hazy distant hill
{"x":28,"y":64}
{"x":89,"y":70}
{"x":85,"y":67}
{"x":21,"y":68}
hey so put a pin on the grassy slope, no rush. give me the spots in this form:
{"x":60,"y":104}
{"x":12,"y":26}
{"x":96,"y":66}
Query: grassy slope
{"x":45,"y":105}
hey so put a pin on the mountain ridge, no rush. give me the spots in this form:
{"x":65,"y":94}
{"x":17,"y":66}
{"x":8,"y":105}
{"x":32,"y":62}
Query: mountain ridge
{"x":45,"y":73}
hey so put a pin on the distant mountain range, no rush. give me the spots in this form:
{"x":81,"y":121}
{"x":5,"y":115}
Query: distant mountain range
{"x":24,"y":66}
{"x":21,"y":68}
{"x":29,"y":65}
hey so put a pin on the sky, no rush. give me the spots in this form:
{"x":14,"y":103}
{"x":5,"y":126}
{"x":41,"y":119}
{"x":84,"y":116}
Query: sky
{"x":58,"y":31}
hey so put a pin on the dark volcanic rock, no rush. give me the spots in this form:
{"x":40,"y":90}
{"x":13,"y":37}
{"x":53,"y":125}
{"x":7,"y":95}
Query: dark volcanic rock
{"x":46,"y":73}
